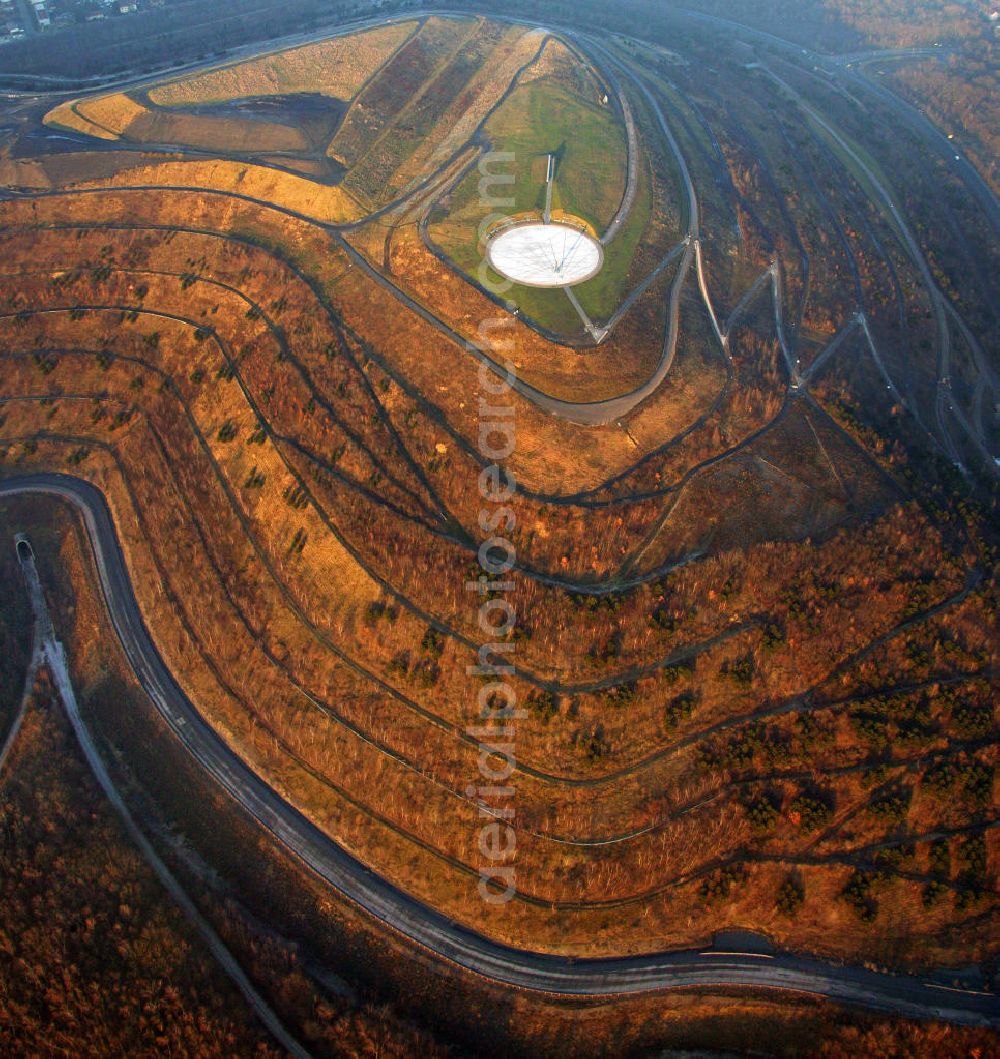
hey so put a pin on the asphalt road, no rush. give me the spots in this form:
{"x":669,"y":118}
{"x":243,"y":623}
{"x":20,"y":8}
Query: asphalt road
{"x":613,"y":409}
{"x":899,"y":994}
{"x":52,"y":650}
{"x":631,"y":151}
{"x":903,"y":995}
{"x":939,"y":302}
{"x":595,"y":413}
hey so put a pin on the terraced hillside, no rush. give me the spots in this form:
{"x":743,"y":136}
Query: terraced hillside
{"x":740,"y":663}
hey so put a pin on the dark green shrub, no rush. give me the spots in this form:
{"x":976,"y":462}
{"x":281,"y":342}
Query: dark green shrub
{"x":433,"y":643}
{"x":972,"y":854}
{"x":400,"y":665}
{"x":543,"y":704}
{"x":671,"y":674}
{"x":871,"y":727}
{"x":595,"y":746}
{"x":933,"y":892}
{"x":815,"y":810}
{"x":966,"y":897}
{"x":426,"y":673}
{"x":895,"y":856}
{"x":791,"y":894}
{"x":608,"y":651}
{"x":773,"y":637}
{"x":623,"y":695}
{"x":296,"y":497}
{"x":972,"y":720}
{"x":741,"y":671}
{"x":762,"y":813}
{"x":719,"y":884}
{"x":940,"y":778}
{"x":939,"y":858}
{"x":892,"y":806}
{"x":665,"y":621}
{"x":680,"y":708}
{"x":977,"y":779}
{"x":858,"y":894}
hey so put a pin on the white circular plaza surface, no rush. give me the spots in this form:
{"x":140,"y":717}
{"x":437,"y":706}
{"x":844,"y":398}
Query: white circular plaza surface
{"x":545,"y":255}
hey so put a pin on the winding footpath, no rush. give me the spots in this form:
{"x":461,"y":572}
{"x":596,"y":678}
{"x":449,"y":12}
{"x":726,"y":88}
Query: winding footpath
{"x":902,"y":995}
{"x":423,"y":925}
{"x":613,"y":409}
{"x":49,"y":648}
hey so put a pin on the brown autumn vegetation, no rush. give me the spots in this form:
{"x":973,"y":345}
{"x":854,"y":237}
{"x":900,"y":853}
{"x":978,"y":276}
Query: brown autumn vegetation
{"x":301,"y":909}
{"x":106,"y":117}
{"x":94,"y":955}
{"x":214,"y":132}
{"x":114,"y":966}
{"x":742,"y":632}
{"x":214,"y":437}
{"x":15,"y":637}
{"x":285,"y":190}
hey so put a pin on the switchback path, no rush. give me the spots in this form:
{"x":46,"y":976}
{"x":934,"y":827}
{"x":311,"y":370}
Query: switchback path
{"x":903,"y":995}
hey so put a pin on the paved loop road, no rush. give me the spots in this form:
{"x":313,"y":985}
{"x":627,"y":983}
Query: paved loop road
{"x":899,"y":994}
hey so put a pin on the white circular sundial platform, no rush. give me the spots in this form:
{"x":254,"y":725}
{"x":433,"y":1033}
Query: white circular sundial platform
{"x":545,"y":255}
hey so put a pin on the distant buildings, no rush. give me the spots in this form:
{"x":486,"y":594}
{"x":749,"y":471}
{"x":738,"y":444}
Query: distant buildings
{"x":41,"y":14}
{"x":21,"y":18}
{"x":10,"y":21}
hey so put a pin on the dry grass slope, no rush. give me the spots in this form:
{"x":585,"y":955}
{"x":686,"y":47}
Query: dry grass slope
{"x":332,"y":205}
{"x":338,"y":67}
{"x":755,"y":625}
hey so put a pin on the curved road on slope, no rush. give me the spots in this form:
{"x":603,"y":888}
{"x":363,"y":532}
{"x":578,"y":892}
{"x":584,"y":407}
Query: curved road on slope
{"x":844,"y":66}
{"x":50,"y":649}
{"x":902,"y":995}
{"x":585,"y":413}
{"x":610,"y":410}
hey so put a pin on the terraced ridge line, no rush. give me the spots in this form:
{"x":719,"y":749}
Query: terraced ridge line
{"x":899,"y":994}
